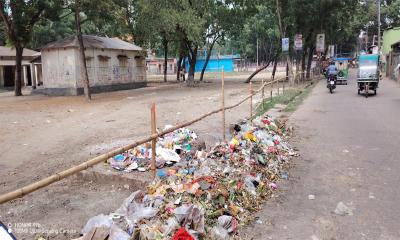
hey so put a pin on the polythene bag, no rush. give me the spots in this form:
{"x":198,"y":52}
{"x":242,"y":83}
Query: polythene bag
{"x":168,"y":155}
{"x":117,"y":233}
{"x":97,"y":222}
{"x":219,"y":233}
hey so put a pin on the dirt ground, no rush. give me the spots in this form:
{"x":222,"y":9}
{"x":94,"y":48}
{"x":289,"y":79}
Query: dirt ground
{"x":42,"y":135}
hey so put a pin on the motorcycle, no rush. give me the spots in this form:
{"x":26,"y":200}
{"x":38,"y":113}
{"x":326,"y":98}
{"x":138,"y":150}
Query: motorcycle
{"x":331,"y":82}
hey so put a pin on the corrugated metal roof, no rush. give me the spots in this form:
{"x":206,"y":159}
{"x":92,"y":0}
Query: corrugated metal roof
{"x":10,"y":52}
{"x":90,"y":41}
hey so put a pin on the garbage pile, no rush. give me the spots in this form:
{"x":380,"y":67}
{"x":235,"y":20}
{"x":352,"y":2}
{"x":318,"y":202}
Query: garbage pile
{"x":205,"y":195}
{"x":169,"y":151}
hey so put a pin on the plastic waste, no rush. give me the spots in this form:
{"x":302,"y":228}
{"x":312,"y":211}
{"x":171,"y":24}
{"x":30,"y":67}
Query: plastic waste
{"x":182,"y":234}
{"x":172,"y":226}
{"x":168,"y":155}
{"x":251,"y":184}
{"x":343,"y":210}
{"x":117,"y":233}
{"x":219,"y":233}
{"x":98,"y":221}
{"x":161,"y":173}
{"x":191,"y":215}
{"x":229,"y":223}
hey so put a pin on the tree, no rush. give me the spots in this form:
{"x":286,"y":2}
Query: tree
{"x":156,"y":25}
{"x":92,"y":11}
{"x":19,"y":18}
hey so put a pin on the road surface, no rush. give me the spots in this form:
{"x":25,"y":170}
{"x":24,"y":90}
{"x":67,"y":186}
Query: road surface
{"x":350,"y":153}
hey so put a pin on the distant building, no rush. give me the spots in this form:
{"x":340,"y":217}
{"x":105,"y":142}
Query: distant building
{"x":391,"y":59}
{"x":156,"y":65}
{"x":112,"y":64}
{"x":394,"y":62}
{"x":215,"y":64}
{"x":7,"y":67}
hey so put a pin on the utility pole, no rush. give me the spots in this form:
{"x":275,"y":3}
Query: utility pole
{"x":379,"y":26}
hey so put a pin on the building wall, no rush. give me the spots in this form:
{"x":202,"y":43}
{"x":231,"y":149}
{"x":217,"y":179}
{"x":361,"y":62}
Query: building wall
{"x":61,"y":68}
{"x":109,"y":67}
{"x":156,"y":66}
{"x":390,"y":37}
{"x":58,"y":68}
{"x":214,"y":65}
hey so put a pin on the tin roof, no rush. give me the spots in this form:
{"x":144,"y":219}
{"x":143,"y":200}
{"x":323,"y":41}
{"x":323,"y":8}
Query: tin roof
{"x":10,"y":52}
{"x":90,"y":41}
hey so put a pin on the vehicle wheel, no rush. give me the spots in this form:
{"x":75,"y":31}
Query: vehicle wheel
{"x":331,"y":90}
{"x":359,"y":91}
{"x":375,"y":92}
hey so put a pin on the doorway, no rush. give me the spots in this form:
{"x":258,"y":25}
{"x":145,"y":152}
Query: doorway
{"x":9,"y":76}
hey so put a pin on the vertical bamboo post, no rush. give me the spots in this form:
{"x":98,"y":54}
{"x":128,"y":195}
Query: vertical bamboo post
{"x":262,"y":94}
{"x":154,"y":141}
{"x":272,"y":88}
{"x":223,"y":103}
{"x":277,"y":84}
{"x":251,"y":100}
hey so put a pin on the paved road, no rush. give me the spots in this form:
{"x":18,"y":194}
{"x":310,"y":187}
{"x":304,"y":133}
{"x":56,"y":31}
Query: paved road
{"x":350,"y":153}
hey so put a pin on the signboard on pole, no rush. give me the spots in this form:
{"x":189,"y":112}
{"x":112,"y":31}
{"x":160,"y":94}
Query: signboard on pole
{"x":331,"y":51}
{"x":321,"y":43}
{"x":285,"y":44}
{"x":298,"y":42}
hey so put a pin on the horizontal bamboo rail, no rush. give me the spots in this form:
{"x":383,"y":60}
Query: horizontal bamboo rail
{"x":104,"y":157}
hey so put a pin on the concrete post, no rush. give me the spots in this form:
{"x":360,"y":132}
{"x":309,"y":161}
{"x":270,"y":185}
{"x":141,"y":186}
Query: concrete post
{"x":33,"y":76}
{"x":25,"y":75}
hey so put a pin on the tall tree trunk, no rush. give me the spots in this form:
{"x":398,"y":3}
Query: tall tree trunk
{"x":290,"y":68}
{"x":84,"y":73}
{"x":165,"y":43}
{"x":303,"y":64}
{"x":274,"y":69}
{"x":209,"y":51}
{"x":179,"y":67}
{"x":282,"y":32}
{"x":18,"y":68}
{"x":310,"y":58}
{"x":192,"y":61}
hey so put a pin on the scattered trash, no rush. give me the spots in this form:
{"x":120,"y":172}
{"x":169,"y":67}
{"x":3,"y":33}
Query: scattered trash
{"x":97,"y":222}
{"x":371,"y":196}
{"x":201,"y":194}
{"x":311,"y":197}
{"x":343,"y":210}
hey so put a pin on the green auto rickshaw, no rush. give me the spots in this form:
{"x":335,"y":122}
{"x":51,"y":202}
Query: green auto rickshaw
{"x":368,"y":73}
{"x":342,"y":65}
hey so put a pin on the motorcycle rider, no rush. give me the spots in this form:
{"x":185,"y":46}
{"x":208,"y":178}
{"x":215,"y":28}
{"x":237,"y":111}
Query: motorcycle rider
{"x":332,"y":69}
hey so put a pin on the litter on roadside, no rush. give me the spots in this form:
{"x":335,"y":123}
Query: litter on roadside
{"x":201,"y":195}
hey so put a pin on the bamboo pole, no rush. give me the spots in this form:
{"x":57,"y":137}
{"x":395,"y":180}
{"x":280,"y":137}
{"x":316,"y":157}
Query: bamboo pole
{"x":262,"y":95}
{"x":277,"y":86}
{"x":104,"y":157}
{"x":223,"y":103}
{"x":251,"y":100}
{"x":153,"y":141}
{"x":272,"y":88}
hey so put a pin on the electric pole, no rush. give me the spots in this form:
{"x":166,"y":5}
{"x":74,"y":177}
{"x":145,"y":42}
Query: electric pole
{"x":379,"y":26}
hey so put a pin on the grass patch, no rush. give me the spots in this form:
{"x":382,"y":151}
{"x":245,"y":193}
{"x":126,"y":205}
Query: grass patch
{"x":292,"y":98}
{"x":295,"y":103}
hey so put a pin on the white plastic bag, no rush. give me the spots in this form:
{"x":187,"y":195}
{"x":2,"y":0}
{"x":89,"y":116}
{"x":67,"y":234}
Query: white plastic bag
{"x":97,"y":222}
